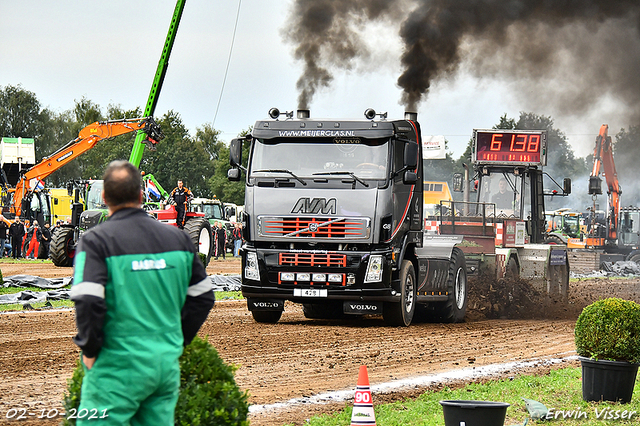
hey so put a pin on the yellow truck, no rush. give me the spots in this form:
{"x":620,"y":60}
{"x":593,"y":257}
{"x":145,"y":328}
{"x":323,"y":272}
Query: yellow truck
{"x":60,"y":204}
{"x":434,"y":192}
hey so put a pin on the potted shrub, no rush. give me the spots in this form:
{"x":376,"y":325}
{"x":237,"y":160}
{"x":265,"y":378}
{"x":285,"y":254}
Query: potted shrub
{"x":607,"y":337}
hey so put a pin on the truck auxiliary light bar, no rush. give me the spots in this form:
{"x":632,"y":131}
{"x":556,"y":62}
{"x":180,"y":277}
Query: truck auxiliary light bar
{"x":315,"y":278}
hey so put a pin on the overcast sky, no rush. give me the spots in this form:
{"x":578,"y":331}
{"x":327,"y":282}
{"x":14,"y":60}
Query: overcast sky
{"x":108,"y":51}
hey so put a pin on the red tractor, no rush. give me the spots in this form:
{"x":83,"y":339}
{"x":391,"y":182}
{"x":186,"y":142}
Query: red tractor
{"x":196,"y":225}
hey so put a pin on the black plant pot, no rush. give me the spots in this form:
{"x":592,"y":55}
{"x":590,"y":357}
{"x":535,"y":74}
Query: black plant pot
{"x":474,"y":413}
{"x":607,"y":380}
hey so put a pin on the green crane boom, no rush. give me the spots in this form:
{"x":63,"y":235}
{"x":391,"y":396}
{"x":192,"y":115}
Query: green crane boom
{"x":138,"y":145}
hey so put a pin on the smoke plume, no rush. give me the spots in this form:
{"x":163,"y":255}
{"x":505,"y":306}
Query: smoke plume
{"x":326,"y":33}
{"x":568,"y":54}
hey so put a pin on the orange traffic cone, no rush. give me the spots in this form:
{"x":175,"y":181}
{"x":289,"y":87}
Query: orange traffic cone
{"x":362,"y":404}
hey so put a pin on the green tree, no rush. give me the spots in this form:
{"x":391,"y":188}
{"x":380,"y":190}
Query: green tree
{"x":20,"y":113}
{"x":561,"y":160}
{"x":208,"y":136}
{"x":58,"y":131}
{"x":179,"y":156}
{"x":87,"y":112}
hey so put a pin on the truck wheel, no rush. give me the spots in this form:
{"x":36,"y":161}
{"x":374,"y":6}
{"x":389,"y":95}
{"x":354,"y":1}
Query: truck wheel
{"x":553,"y":239}
{"x":634,"y":256}
{"x":323,"y":310}
{"x":268,"y":317}
{"x":199,"y":231}
{"x":62,"y":250}
{"x":454,"y":309}
{"x":401,"y":313}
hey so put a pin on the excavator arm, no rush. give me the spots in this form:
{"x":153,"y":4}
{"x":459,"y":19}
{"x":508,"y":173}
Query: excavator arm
{"x":87,"y":139}
{"x":603,"y":159}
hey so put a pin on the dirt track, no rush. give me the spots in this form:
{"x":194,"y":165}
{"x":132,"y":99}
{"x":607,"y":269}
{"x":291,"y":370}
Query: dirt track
{"x":299,"y":357}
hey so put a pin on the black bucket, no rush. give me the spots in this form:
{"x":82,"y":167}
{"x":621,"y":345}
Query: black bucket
{"x":474,"y":413}
{"x":607,"y":380}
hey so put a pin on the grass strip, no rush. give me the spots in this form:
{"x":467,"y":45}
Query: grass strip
{"x":559,"y":390}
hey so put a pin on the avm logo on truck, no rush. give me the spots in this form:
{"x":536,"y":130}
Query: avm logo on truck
{"x":314,"y":206}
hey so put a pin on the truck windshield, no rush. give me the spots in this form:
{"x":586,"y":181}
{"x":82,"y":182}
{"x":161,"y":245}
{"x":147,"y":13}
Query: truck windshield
{"x":572,"y":226}
{"x":94,"y":198}
{"x":502,"y":190}
{"x":366,"y":158}
{"x":212,"y":211}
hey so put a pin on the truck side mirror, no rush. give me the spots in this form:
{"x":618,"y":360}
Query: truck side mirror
{"x":233,"y":175}
{"x":409,"y":177}
{"x":411,"y":155}
{"x":235,"y":152}
{"x":567,"y":186}
{"x":457,"y":182}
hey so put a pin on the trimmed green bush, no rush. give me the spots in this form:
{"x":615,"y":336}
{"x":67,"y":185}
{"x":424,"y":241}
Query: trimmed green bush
{"x":208,"y":391}
{"x":609,"y":329}
{"x":72,"y":396}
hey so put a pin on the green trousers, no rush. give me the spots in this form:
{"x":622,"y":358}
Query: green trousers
{"x":123,"y":388}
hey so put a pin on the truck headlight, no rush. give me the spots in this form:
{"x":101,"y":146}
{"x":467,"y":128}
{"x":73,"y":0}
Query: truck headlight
{"x":334,"y":278}
{"x":319,"y":278}
{"x":287,"y":276}
{"x":374,"y":269}
{"x":303,"y":276}
{"x":251,"y":267}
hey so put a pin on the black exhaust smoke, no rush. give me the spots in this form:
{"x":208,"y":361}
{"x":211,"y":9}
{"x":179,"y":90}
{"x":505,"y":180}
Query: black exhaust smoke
{"x":565,"y":55}
{"x":325,"y":34}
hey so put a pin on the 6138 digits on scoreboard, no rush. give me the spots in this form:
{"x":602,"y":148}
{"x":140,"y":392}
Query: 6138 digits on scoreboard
{"x":510,"y":147}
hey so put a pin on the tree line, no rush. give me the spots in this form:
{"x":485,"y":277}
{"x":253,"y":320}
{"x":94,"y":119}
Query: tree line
{"x":201,"y":161}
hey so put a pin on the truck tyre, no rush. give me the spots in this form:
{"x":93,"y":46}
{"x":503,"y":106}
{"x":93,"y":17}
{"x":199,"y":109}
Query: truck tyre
{"x":268,"y":317}
{"x":199,"y":231}
{"x":62,"y":250}
{"x":401,"y":313}
{"x":553,"y":239}
{"x":454,"y":309}
{"x":323,"y":310}
{"x":634,"y":256}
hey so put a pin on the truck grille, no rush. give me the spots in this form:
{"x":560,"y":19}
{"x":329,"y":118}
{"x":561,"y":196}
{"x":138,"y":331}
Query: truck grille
{"x":314,"y":227}
{"x":312,"y":259}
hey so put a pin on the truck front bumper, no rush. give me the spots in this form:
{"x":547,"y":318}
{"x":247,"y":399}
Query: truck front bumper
{"x":315,"y":276}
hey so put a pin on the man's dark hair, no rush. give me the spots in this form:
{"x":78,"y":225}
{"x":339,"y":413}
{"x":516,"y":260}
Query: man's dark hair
{"x":121,"y":183}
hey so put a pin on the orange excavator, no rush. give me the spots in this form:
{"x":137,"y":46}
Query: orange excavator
{"x":603,"y":158}
{"x":87,"y":139}
{"x":617,"y":231}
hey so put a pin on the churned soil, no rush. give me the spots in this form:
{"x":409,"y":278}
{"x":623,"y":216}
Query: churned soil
{"x":298,"y":357}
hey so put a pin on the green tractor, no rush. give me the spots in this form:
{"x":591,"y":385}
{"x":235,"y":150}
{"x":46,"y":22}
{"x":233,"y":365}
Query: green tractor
{"x":214,"y":211}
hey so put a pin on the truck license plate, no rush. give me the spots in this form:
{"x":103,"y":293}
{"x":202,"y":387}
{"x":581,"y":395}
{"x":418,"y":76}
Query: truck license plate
{"x":309,"y":292}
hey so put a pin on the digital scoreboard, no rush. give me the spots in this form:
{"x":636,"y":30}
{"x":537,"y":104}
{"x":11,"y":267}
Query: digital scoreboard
{"x":510,"y":147}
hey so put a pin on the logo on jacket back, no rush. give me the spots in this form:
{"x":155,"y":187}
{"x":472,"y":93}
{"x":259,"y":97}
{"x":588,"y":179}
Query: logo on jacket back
{"x":314,"y":206}
{"x":148,"y":264}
